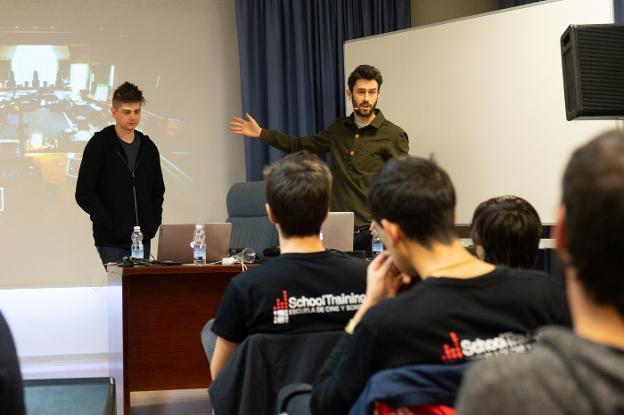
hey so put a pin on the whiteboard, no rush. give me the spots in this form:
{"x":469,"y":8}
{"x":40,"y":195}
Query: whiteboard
{"x":484,"y":95}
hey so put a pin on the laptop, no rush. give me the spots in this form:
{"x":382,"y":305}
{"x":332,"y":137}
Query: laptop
{"x":174,"y":242}
{"x":337,"y":231}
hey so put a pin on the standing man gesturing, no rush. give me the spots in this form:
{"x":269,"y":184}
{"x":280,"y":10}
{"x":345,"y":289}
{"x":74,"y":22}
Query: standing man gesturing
{"x":359,"y":144}
{"x":120,"y":183}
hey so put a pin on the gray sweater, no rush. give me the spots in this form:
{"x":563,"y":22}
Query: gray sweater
{"x":563,"y":374}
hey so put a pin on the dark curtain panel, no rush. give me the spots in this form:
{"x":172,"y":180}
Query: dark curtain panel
{"x":511,"y":3}
{"x":291,"y":62}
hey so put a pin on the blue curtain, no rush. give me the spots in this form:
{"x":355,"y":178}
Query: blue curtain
{"x":291,"y":62}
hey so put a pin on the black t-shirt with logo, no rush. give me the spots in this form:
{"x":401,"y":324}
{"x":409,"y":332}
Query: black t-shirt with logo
{"x":294,"y":293}
{"x":440,"y":321}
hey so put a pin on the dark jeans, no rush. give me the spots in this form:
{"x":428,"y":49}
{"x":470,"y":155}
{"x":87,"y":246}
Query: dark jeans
{"x":362,"y":240}
{"x":116,"y":254}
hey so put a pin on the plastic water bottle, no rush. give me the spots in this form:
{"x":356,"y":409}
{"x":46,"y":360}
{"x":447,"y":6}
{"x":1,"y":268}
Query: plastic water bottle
{"x":137,"y":243}
{"x":377,"y":246}
{"x":199,"y":246}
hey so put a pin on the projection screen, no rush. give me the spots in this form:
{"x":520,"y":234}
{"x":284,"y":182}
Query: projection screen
{"x":60,"y":62}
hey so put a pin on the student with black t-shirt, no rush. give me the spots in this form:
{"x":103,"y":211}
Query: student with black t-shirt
{"x":305,"y":289}
{"x":461,"y":308}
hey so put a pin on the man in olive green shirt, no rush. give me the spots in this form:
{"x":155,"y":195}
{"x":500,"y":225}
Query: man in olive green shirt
{"x":359,"y":145}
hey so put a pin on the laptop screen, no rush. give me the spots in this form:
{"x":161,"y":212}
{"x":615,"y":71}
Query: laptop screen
{"x":174,"y":242}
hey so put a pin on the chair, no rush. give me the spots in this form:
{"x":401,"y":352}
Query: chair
{"x":422,"y":389}
{"x":263,"y":364}
{"x":251,"y":227}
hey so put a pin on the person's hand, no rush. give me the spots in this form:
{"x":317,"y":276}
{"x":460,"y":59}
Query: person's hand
{"x":248,"y":127}
{"x":383,"y":279}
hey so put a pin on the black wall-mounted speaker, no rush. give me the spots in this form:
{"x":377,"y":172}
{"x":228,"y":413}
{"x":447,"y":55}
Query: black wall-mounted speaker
{"x":593,"y":71}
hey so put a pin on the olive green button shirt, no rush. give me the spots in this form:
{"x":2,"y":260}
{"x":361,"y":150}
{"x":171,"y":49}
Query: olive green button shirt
{"x":357,"y":155}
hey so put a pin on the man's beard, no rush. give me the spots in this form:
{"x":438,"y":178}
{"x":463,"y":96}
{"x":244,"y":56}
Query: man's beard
{"x":358,"y":111}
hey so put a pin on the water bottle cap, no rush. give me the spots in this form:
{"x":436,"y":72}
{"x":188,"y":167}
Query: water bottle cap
{"x":137,"y":228}
{"x":199,"y":226}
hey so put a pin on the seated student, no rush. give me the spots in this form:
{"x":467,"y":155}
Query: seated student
{"x":11,"y":388}
{"x":276,"y":297}
{"x":506,"y":231}
{"x":580,"y":372}
{"x":463,"y":309}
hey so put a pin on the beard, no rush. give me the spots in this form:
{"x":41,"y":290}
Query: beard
{"x":363,"y":113}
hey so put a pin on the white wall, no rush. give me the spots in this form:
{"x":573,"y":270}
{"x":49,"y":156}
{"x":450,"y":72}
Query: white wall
{"x":57,"y":321}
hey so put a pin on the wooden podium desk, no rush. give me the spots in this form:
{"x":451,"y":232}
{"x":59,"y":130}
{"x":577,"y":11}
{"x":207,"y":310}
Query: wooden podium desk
{"x":155,"y":318}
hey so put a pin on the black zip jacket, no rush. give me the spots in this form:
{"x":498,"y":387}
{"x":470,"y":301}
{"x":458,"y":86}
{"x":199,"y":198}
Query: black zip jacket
{"x":114,"y":197}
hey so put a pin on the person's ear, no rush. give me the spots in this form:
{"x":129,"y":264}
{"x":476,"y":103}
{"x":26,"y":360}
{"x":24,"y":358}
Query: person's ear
{"x":349,"y":94}
{"x":392,"y":231}
{"x":270,"y":214}
{"x":559,"y":232}
{"x":480,"y":252}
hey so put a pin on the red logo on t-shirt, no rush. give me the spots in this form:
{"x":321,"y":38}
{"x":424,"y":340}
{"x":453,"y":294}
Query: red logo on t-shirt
{"x":453,"y":352}
{"x":280,"y":309}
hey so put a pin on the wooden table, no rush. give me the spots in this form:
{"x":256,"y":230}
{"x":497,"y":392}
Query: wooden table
{"x":155,"y":318}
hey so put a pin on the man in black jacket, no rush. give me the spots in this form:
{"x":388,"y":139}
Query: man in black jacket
{"x":120,"y":183}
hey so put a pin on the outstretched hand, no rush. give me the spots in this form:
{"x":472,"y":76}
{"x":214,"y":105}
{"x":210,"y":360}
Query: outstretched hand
{"x":247,"y":127}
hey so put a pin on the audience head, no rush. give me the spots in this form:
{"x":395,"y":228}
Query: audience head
{"x":366,"y":72}
{"x":590,"y":228}
{"x":418,"y":197}
{"x":298,"y":189}
{"x":506,"y":231}
{"x":127,"y":93}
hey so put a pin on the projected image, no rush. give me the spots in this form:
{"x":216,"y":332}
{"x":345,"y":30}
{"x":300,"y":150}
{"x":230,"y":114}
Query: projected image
{"x":51,"y":105}
{"x":60,"y":62}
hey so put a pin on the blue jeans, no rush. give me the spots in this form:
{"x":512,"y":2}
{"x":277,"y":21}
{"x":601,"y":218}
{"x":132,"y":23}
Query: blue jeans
{"x":116,"y":254}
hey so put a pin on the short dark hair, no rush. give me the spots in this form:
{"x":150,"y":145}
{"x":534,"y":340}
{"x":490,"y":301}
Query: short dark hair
{"x":418,"y":195}
{"x":365,"y":72}
{"x":128,"y":93}
{"x":593,"y":196}
{"x":509,"y":230}
{"x":298,"y":189}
